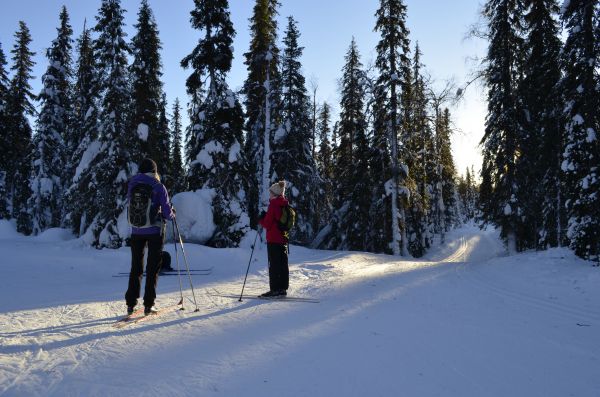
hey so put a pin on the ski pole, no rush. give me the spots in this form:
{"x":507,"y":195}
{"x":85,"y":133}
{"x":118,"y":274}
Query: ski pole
{"x":186,"y":264}
{"x":251,"y":253}
{"x":178,"y":268}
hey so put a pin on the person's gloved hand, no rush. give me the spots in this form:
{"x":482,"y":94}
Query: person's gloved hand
{"x":262,"y":215}
{"x":174,"y":211}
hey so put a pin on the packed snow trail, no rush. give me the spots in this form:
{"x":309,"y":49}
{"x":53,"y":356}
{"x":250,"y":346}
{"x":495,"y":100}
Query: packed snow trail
{"x":463,"y":322}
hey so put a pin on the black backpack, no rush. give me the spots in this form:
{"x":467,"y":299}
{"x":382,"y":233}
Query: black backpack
{"x":141,"y":213}
{"x":166,"y":262}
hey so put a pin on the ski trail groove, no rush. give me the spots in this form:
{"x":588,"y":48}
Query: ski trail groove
{"x":470,"y":271}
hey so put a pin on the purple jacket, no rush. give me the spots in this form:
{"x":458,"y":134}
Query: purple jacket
{"x":160,"y":197}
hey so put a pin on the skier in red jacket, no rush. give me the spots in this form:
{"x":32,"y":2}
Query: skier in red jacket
{"x":277,"y":244}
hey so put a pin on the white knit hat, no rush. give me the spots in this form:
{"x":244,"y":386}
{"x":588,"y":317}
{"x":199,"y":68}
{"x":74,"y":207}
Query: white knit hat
{"x":278,"y":188}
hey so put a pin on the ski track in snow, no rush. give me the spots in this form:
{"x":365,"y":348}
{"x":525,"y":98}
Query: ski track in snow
{"x":73,"y":349}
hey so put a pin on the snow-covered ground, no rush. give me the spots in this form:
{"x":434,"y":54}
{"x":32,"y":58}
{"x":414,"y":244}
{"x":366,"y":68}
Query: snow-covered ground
{"x":465,"y":321}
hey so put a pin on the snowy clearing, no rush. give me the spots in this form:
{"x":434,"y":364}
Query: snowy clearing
{"x":466,"y":321}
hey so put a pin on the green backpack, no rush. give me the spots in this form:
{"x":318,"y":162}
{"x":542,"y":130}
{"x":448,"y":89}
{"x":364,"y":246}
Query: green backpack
{"x":287,"y":220}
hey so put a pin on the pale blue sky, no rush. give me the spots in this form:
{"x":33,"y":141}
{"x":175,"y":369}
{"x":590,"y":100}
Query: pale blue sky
{"x":326,"y":27}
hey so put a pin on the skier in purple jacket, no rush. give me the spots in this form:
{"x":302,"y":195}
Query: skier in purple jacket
{"x":148,"y":210}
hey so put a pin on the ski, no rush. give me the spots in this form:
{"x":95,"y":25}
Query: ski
{"x":285,"y":298}
{"x":129,"y":317}
{"x":170,"y":273}
{"x":208,"y":269}
{"x":138,"y":316}
{"x":274,"y":299}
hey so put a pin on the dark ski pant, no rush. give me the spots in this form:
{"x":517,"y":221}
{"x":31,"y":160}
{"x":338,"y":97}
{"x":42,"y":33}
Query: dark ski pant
{"x":155,"y":244}
{"x":279,"y":272}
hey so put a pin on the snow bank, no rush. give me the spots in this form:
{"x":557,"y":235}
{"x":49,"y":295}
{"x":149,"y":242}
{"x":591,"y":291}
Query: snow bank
{"x":251,"y":238}
{"x":194,"y":215}
{"x":532,"y":318}
{"x":123,"y":227}
{"x":8,"y":229}
{"x":54,"y":234}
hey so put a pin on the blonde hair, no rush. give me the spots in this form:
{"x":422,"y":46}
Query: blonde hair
{"x":154,"y":175}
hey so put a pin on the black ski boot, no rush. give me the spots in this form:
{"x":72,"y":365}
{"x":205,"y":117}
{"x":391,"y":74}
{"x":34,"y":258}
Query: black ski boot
{"x":130,"y":310}
{"x":150,"y":310}
{"x":269,"y":294}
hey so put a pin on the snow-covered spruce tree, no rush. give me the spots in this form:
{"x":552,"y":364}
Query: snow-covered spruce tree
{"x":261,"y":89}
{"x":177,"y":172}
{"x":334,"y":141}
{"x":19,"y":107}
{"x":113,"y":164}
{"x":463,"y":194}
{"x":82,"y":147}
{"x":473,"y":195}
{"x":500,"y":192}
{"x":292,"y":154}
{"x":145,"y":73}
{"x":325,"y":155}
{"x":467,"y":192}
{"x":447,"y":172}
{"x":379,"y":172}
{"x":582,"y":150}
{"x":325,"y":163}
{"x":314,"y":116}
{"x":393,"y":64}
{"x":49,"y":155}
{"x":349,"y":227}
{"x":4,"y":136}
{"x":163,"y":154}
{"x":541,"y":148}
{"x":441,"y":163}
{"x":214,"y":150}
{"x":418,"y":151}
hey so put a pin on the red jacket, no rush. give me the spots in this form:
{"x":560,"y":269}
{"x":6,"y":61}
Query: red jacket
{"x":269,"y":222}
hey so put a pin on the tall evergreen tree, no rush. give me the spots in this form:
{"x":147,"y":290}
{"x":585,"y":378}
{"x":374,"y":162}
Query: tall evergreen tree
{"x":447,"y":172}
{"x":419,"y":154}
{"x":325,"y":163}
{"x":292,"y":153}
{"x":20,"y":106}
{"x":147,"y":90}
{"x":163,"y":145}
{"x":83,"y":145}
{"x":541,"y":149}
{"x":334,"y":140}
{"x":499,"y":189}
{"x":177,"y":172}
{"x":325,"y":155}
{"x":4,"y":139}
{"x":262,"y":99}
{"x":392,"y":84}
{"x":113,"y":165}
{"x":49,"y":154}
{"x":582,"y":149}
{"x":379,"y":172}
{"x":214,"y":152}
{"x":350,"y":222}
{"x":467,"y":193}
